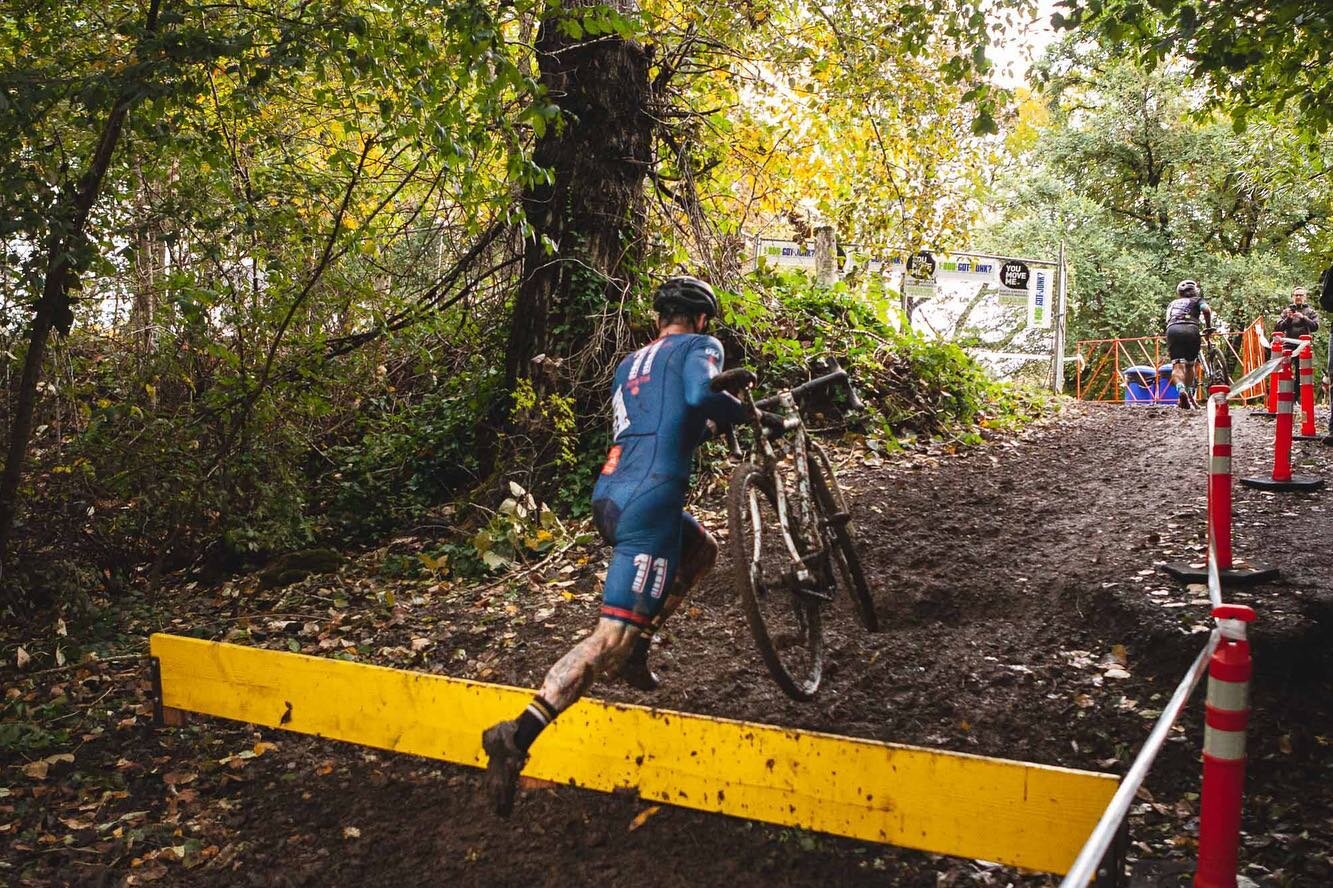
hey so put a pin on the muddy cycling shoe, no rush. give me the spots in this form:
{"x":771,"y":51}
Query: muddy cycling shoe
{"x":635,"y":672}
{"x":506,"y":761}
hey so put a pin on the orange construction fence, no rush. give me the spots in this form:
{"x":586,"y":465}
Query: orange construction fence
{"x":1101,"y":362}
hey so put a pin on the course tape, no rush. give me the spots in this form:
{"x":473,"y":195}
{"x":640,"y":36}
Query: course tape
{"x":1103,"y":834}
{"x":1259,"y":331}
{"x":1263,"y":371}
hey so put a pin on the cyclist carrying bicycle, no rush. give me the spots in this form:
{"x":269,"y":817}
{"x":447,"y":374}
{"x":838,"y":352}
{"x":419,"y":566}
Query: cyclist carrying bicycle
{"x":663,"y":408}
{"x":1183,"y":337}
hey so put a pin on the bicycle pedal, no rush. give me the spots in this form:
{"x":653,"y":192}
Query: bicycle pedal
{"x":837,"y":519}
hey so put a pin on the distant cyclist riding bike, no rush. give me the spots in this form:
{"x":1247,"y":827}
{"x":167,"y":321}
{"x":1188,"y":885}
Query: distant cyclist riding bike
{"x":1184,"y":337}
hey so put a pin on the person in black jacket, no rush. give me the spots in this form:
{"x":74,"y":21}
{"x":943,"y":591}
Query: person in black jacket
{"x":1298,"y":319}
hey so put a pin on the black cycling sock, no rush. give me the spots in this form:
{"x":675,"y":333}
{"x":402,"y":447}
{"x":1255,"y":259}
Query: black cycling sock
{"x":532,"y":721}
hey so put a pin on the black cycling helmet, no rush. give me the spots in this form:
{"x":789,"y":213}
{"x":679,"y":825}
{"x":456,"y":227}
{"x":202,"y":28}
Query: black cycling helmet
{"x":685,"y":294}
{"x":1188,"y":289}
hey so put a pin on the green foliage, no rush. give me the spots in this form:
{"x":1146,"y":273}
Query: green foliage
{"x":1146,"y":190}
{"x":408,"y":456}
{"x":27,"y":729}
{"x":520,"y":529}
{"x":917,"y":386}
{"x":1255,"y":55}
{"x":294,"y":289}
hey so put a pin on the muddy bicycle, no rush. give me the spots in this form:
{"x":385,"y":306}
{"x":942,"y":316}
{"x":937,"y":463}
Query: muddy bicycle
{"x":792,"y":539}
{"x":1211,"y":367}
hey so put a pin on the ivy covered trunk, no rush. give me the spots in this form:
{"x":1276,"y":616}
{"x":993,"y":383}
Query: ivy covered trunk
{"x":587,"y":222}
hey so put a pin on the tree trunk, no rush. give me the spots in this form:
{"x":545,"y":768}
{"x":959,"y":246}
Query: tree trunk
{"x":65,"y":254}
{"x":587,"y":223}
{"x":826,"y":248}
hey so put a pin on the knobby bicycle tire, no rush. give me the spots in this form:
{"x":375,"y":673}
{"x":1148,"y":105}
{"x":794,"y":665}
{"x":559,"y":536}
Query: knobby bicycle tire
{"x":829,"y":496}
{"x":1221,"y":375}
{"x":749,"y":485}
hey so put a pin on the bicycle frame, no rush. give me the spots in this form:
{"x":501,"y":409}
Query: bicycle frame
{"x":803,"y":507}
{"x":1206,"y":369}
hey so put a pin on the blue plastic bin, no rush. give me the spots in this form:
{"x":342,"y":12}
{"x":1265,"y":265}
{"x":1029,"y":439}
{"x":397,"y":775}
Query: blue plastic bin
{"x":1140,"y":385}
{"x":1166,"y":392}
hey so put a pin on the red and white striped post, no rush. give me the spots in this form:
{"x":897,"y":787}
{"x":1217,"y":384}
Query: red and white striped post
{"x":1227,"y":715}
{"x":1219,"y":509}
{"x":1285,"y":399}
{"x":1219,"y":480}
{"x":1282,"y":478}
{"x":1307,"y":388}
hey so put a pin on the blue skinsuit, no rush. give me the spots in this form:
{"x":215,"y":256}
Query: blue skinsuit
{"x":660,"y":403}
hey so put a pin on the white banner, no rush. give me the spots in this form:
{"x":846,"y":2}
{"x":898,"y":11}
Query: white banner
{"x":787,"y":254}
{"x":1039,"y":301}
{"x":919,"y":291}
{"x":1015,"y":281}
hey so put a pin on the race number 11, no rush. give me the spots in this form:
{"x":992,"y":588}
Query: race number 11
{"x":647,"y":566}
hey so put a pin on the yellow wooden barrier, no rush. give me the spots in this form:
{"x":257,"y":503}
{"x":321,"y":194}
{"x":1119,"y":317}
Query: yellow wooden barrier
{"x":1034,"y":816}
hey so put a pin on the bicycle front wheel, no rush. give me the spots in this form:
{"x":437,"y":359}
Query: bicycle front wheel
{"x":842,"y":545}
{"x":785,"y":623}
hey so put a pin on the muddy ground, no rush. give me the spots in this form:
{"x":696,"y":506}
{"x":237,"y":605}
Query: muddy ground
{"x":1028,"y":620}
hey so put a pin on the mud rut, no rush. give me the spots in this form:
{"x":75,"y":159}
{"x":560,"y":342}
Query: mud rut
{"x":1016,"y":569}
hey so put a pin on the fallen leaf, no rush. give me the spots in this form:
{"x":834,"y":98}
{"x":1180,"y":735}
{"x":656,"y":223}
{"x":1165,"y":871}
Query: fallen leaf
{"x":264,"y":746}
{"x":351,"y":832}
{"x":1284,"y":743}
{"x":1119,"y":653}
{"x":642,"y":817}
{"x":22,"y":659}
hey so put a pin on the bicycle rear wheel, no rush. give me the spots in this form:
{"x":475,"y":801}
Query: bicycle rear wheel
{"x":842,"y":544}
{"x":1221,"y":374}
{"x":786,"y":624}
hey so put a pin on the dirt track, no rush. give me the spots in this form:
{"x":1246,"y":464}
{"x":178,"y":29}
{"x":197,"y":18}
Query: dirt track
{"x":1009,"y":575}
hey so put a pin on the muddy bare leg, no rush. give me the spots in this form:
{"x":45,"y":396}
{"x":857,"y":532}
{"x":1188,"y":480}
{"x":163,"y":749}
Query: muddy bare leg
{"x":506,"y":744}
{"x":600,"y":653}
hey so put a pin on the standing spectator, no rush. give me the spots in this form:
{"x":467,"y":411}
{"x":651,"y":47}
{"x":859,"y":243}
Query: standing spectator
{"x":1326,"y":303}
{"x":1298,"y":319}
